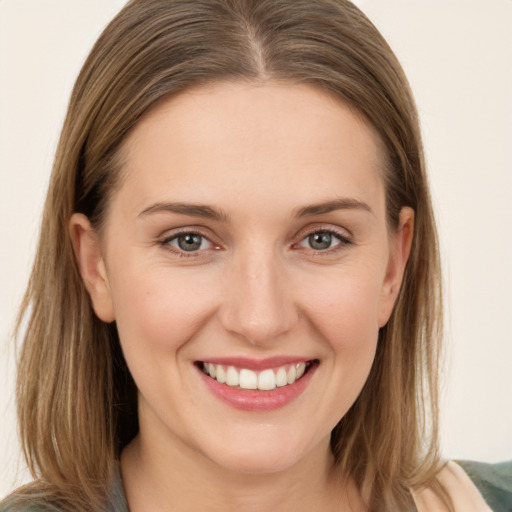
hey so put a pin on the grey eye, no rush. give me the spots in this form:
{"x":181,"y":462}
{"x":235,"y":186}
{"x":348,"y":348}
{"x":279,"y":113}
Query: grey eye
{"x":320,"y":241}
{"x":190,"y":242}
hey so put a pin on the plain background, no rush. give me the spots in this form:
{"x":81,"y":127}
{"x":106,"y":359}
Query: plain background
{"x":458,"y":57}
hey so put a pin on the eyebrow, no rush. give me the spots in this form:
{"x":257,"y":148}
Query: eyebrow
{"x":192,"y":210}
{"x":331,"y":206}
{"x":208,"y":212}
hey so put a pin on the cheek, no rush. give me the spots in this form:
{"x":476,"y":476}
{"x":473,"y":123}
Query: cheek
{"x":158,"y":309}
{"x":342,"y":311}
{"x":344,"y":306}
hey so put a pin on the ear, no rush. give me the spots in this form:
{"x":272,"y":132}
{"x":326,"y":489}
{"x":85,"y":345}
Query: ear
{"x":401,"y":241}
{"x":92,"y":266}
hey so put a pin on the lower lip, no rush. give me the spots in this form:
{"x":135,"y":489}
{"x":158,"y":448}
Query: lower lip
{"x":249,"y":400}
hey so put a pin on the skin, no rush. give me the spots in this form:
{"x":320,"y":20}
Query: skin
{"x":258,"y":154}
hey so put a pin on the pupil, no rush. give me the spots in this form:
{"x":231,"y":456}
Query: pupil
{"x":189,"y":242}
{"x":320,"y":241}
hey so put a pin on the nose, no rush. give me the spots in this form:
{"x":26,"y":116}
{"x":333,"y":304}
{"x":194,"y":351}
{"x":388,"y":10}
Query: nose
{"x":258,"y":305}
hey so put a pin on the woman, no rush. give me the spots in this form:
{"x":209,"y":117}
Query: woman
{"x":236,"y":293}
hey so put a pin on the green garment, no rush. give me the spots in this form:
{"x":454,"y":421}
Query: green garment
{"x":494,"y":481}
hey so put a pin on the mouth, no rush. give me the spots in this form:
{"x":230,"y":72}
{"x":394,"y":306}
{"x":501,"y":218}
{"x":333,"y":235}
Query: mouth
{"x":257,"y":385}
{"x":265,"y":379}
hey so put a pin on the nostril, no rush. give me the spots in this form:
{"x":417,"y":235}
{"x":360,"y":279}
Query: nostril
{"x":258,"y":324}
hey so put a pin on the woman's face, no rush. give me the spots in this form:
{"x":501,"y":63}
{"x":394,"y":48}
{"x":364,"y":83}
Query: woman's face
{"x":247,"y":241}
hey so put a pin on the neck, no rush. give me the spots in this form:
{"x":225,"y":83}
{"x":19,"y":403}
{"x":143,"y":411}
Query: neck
{"x":177,"y":478}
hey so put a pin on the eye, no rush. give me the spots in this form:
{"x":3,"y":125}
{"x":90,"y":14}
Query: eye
{"x":323,"y":240}
{"x":189,"y":242}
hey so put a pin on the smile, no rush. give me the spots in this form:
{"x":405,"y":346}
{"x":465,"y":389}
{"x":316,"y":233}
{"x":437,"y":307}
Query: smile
{"x":265,"y":380}
{"x":257,"y":385}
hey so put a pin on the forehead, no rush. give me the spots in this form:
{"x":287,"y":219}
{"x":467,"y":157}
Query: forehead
{"x":271,"y":138}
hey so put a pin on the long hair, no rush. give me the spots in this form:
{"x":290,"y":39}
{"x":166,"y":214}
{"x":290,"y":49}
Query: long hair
{"x":77,"y":415}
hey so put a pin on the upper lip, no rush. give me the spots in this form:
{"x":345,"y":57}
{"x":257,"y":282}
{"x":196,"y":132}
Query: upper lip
{"x":257,"y":364}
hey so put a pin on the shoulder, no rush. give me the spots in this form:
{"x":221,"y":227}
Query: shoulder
{"x":37,"y":498}
{"x":468,"y":486}
{"x":494,"y":481}
{"x":14,"y":503}
{"x":31,"y":497}
{"x":26,"y":500}
{"x":23,"y":501}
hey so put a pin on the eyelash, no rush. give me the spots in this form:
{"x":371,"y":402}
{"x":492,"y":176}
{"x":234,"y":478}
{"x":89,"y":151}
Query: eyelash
{"x":343,"y":241}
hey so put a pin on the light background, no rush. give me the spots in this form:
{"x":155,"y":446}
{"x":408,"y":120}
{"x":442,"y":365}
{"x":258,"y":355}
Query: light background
{"x":458,"y":56}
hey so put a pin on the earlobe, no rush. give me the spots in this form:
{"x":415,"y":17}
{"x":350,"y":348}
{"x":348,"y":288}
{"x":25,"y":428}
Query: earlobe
{"x":91,"y":265}
{"x":399,"y":254}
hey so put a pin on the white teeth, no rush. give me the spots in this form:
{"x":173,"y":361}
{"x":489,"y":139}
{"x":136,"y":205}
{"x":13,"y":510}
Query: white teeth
{"x":221,"y":374}
{"x":266,"y":380}
{"x":281,"y":379}
{"x":232,"y":377}
{"x":301,"y":368}
{"x":248,"y":379}
{"x":291,"y":375}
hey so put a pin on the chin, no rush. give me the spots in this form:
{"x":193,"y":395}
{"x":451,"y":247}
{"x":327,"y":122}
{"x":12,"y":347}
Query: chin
{"x":256,"y":463}
{"x":262,"y":454}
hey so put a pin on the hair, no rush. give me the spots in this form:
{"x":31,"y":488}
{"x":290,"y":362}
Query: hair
{"x":76,"y":416}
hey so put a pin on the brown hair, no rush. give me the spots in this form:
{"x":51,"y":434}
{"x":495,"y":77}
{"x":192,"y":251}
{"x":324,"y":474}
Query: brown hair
{"x":77,"y":415}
